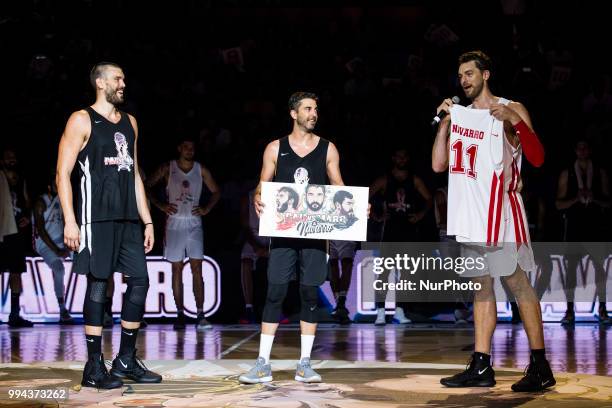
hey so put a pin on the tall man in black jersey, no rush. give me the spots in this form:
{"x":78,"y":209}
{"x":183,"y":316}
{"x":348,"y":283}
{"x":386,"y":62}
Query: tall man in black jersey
{"x":301,"y":157}
{"x":105,"y":232}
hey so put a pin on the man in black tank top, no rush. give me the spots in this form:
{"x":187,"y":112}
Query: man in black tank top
{"x":406,"y":201}
{"x":105,"y":232}
{"x":583,"y":195}
{"x":303,"y":158}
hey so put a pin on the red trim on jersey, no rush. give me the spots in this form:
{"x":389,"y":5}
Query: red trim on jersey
{"x":520,"y":209}
{"x":492,"y":196}
{"x":513,"y":205}
{"x":500,"y":200}
{"x":495,"y":208}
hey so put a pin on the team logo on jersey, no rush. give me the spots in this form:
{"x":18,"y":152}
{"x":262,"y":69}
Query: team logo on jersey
{"x":123,"y":161}
{"x":400,"y":204}
{"x":186,"y":197}
{"x":301,"y":176}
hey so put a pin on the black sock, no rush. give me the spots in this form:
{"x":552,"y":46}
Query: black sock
{"x":341,"y":301}
{"x":94,"y":344}
{"x":570,"y":307}
{"x":538,"y":355}
{"x":128,"y":341}
{"x":61,"y":304}
{"x":108,"y":306}
{"x":482,"y":359}
{"x":15,"y":304}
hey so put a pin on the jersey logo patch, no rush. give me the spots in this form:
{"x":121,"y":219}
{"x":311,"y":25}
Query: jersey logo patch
{"x":123,"y":161}
{"x":301,"y":176}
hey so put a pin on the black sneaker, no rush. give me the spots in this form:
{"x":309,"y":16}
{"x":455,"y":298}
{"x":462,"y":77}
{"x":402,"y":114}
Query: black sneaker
{"x":475,"y":375}
{"x":341,"y":314}
{"x":18,"y":321}
{"x":538,"y":377}
{"x":202,"y":323}
{"x":96,"y":375}
{"x":248,"y":317}
{"x":179,"y":324}
{"x":569,"y":319}
{"x":130,"y":366}
{"x":603,"y":316}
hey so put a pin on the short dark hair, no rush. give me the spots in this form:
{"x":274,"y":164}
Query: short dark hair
{"x":296,"y":99}
{"x":321,"y":186}
{"x":185,"y":138}
{"x":293,"y":195}
{"x":342,"y":195}
{"x":98,"y":70}
{"x":482,"y":60}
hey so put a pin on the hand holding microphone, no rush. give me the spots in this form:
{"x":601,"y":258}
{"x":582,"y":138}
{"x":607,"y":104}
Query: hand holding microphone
{"x":443,"y":109}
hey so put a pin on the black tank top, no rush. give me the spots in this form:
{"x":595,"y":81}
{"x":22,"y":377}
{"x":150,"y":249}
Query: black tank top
{"x":402,"y":200}
{"x":572,"y":182}
{"x":402,"y":197}
{"x":106,"y":172}
{"x":584,"y":222}
{"x":310,"y":169}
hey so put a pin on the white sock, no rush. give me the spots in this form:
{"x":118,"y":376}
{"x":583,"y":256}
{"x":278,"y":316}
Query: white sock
{"x":265,"y":346}
{"x":307,"y":341}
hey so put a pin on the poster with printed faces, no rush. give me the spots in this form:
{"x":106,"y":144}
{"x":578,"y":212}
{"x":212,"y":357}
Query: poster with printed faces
{"x":314,"y":211}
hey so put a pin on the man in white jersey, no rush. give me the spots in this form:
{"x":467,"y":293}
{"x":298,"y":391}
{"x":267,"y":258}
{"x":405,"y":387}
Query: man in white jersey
{"x":184,"y":234}
{"x":48,"y":234}
{"x":486,"y":211}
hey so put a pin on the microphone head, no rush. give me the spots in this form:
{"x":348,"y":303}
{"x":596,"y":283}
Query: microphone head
{"x":455,"y":99}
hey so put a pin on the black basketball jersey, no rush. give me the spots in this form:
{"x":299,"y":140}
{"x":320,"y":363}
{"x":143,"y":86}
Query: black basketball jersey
{"x":402,"y":197}
{"x":402,"y":200}
{"x":107,"y":189}
{"x":310,"y":169}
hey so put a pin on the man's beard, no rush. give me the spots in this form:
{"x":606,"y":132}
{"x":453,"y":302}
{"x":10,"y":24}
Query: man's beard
{"x":348,"y":214}
{"x":476,"y":92}
{"x":314,"y":206}
{"x":113,"y":97}
{"x":283,"y":207}
{"x":304,"y":124}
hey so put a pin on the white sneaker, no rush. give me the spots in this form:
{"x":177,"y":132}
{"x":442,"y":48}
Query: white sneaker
{"x":380,"y":317}
{"x":399,"y":316}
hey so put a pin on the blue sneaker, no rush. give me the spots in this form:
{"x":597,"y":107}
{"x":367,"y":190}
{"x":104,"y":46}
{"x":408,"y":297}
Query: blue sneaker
{"x":260,"y":373}
{"x":305,"y":373}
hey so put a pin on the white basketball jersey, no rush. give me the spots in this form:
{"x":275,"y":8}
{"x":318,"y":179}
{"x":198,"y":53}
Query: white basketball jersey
{"x":484,"y":201}
{"x":475,"y":182}
{"x":54,"y":223}
{"x":184,"y":190}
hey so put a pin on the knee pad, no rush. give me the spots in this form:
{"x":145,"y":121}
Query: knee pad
{"x":134,"y":299}
{"x":93,"y":305}
{"x":274,"y":302}
{"x":309,"y":296}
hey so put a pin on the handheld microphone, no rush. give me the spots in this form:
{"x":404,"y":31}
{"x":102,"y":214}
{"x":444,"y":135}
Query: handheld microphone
{"x":438,"y":118}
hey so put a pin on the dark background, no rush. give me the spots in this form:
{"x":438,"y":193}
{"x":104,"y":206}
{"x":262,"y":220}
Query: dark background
{"x":379,"y":68}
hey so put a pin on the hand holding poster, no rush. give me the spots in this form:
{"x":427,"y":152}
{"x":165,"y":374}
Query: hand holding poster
{"x":314,"y":211}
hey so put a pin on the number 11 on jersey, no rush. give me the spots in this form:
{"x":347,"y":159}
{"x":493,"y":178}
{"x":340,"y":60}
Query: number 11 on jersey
{"x":470,"y":152}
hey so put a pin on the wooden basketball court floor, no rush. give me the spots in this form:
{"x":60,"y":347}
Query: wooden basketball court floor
{"x":362,"y":366}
